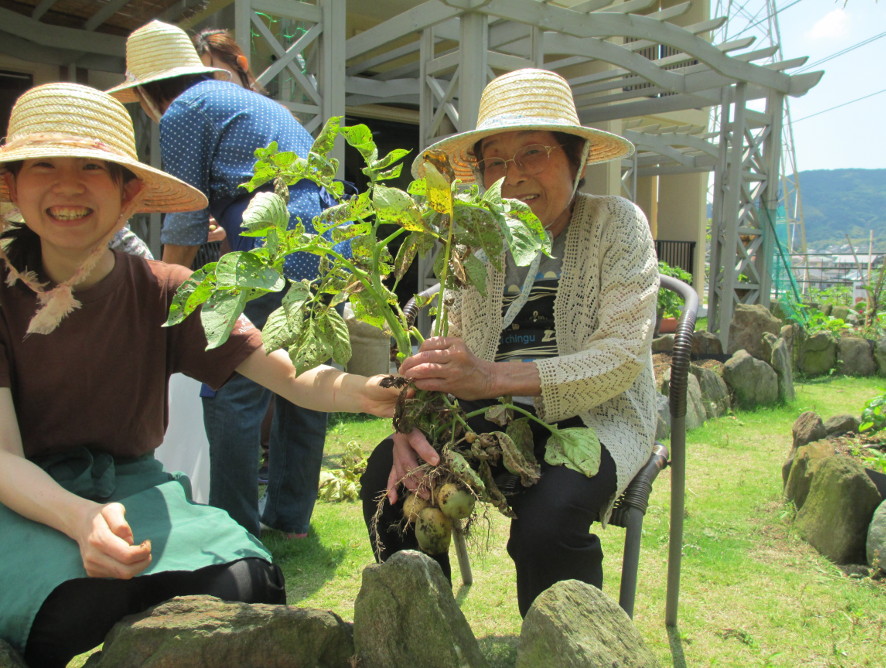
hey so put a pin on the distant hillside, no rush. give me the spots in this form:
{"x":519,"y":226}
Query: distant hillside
{"x":837,"y":202}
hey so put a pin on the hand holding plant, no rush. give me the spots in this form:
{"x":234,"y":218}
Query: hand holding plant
{"x":435,"y":212}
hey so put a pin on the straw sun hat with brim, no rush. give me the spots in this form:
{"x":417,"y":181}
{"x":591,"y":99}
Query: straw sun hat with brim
{"x":67,"y":120}
{"x":158,"y":51}
{"x":527,"y":99}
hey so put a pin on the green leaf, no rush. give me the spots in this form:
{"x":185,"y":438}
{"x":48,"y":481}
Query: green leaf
{"x":527,"y":236}
{"x":390,"y":158}
{"x":415,"y":244}
{"x":314,"y":347}
{"x":360,"y":137}
{"x":245,"y":270}
{"x":476,"y":271}
{"x":395,"y":206}
{"x":219,"y":315}
{"x":265,"y":210}
{"x":190,"y":294}
{"x":576,"y":448}
{"x":335,"y":328}
{"x":325,"y":141}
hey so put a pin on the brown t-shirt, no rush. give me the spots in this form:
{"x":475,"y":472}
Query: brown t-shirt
{"x":101,"y":379}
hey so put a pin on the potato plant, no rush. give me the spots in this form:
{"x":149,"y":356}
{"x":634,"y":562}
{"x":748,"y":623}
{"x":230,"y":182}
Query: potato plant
{"x":434,"y":212}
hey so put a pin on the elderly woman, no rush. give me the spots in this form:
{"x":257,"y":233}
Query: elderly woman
{"x":570,"y":336}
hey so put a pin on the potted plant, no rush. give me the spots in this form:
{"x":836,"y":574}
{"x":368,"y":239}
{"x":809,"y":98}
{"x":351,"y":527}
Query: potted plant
{"x":669,"y":302}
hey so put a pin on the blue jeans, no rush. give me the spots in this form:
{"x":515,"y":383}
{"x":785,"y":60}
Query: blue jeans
{"x":233,"y":420}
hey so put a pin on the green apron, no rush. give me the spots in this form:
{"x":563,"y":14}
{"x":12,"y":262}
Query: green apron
{"x":185,"y":536}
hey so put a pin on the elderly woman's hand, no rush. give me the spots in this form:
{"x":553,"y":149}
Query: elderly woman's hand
{"x":408,"y":448}
{"x":445,"y":364}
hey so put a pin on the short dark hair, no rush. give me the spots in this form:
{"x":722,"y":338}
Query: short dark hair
{"x":166,"y":90}
{"x":119,"y":173}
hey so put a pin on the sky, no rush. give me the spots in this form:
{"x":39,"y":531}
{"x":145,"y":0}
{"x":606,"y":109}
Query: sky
{"x":830,"y":129}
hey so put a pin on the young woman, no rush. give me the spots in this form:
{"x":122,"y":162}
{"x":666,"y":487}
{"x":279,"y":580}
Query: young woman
{"x":92,"y":528}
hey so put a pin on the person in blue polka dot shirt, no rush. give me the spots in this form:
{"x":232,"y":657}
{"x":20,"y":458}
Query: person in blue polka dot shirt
{"x":209,"y":130}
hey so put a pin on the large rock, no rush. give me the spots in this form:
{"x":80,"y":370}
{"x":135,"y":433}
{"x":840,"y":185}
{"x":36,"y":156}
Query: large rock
{"x":714,"y":391}
{"x":752,"y":381}
{"x":880,"y":356}
{"x":749,"y":322}
{"x":575,"y":625}
{"x":663,"y":344}
{"x":838,"y":510}
{"x":807,"y":428}
{"x":816,"y":354}
{"x":876,"y":541}
{"x":205,"y":632}
{"x":706,"y":343}
{"x":405,"y":615}
{"x":9,"y":658}
{"x":695,"y":407}
{"x":801,"y":467}
{"x":841,"y":424}
{"x":855,"y":356}
{"x":781,"y":364}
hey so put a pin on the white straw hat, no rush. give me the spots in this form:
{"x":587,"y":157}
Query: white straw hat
{"x":527,"y":99}
{"x":158,"y":51}
{"x":61,"y":120}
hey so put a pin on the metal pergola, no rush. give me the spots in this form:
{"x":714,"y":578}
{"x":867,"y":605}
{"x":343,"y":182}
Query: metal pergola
{"x":628,"y":63}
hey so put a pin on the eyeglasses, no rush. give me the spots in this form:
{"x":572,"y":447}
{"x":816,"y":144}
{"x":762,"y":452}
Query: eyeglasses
{"x":531,"y":159}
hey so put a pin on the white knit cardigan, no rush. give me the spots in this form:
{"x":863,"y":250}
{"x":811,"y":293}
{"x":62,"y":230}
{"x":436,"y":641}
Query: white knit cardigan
{"x":604,"y":316}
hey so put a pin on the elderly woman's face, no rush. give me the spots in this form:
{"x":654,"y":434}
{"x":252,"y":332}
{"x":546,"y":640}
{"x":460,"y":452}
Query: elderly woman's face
{"x":547,"y":192}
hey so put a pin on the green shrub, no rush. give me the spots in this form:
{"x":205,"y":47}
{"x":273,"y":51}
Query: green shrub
{"x":669,"y":303}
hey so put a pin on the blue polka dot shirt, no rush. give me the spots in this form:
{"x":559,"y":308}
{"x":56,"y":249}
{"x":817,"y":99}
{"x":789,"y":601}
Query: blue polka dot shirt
{"x":208,"y":137}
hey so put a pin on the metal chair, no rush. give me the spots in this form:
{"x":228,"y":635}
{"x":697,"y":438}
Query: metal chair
{"x":630,"y":508}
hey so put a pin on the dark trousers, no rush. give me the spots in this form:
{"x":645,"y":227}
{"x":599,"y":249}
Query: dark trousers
{"x":549,"y":540}
{"x":79,"y":613}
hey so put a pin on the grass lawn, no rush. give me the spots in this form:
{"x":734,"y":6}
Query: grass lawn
{"x":752,"y":593}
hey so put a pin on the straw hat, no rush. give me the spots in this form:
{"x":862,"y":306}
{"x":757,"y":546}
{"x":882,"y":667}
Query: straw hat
{"x":61,"y":120}
{"x":158,"y":51}
{"x":527,"y":99}
{"x":67,"y":120}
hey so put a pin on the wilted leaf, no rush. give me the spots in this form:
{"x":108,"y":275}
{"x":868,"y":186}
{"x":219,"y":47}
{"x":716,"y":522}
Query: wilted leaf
{"x":577,"y":448}
{"x":517,"y":452}
{"x":464,"y":472}
{"x":499,"y":414}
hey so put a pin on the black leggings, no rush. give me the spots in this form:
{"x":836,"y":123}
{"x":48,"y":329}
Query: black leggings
{"x":79,"y":613}
{"x":550,"y":540}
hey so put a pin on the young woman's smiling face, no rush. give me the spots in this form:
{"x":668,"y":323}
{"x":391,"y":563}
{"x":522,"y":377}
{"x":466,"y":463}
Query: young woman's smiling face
{"x":548,"y":192}
{"x":70,"y":203}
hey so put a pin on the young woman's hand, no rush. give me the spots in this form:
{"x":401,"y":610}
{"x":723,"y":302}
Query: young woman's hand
{"x":106,"y":545}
